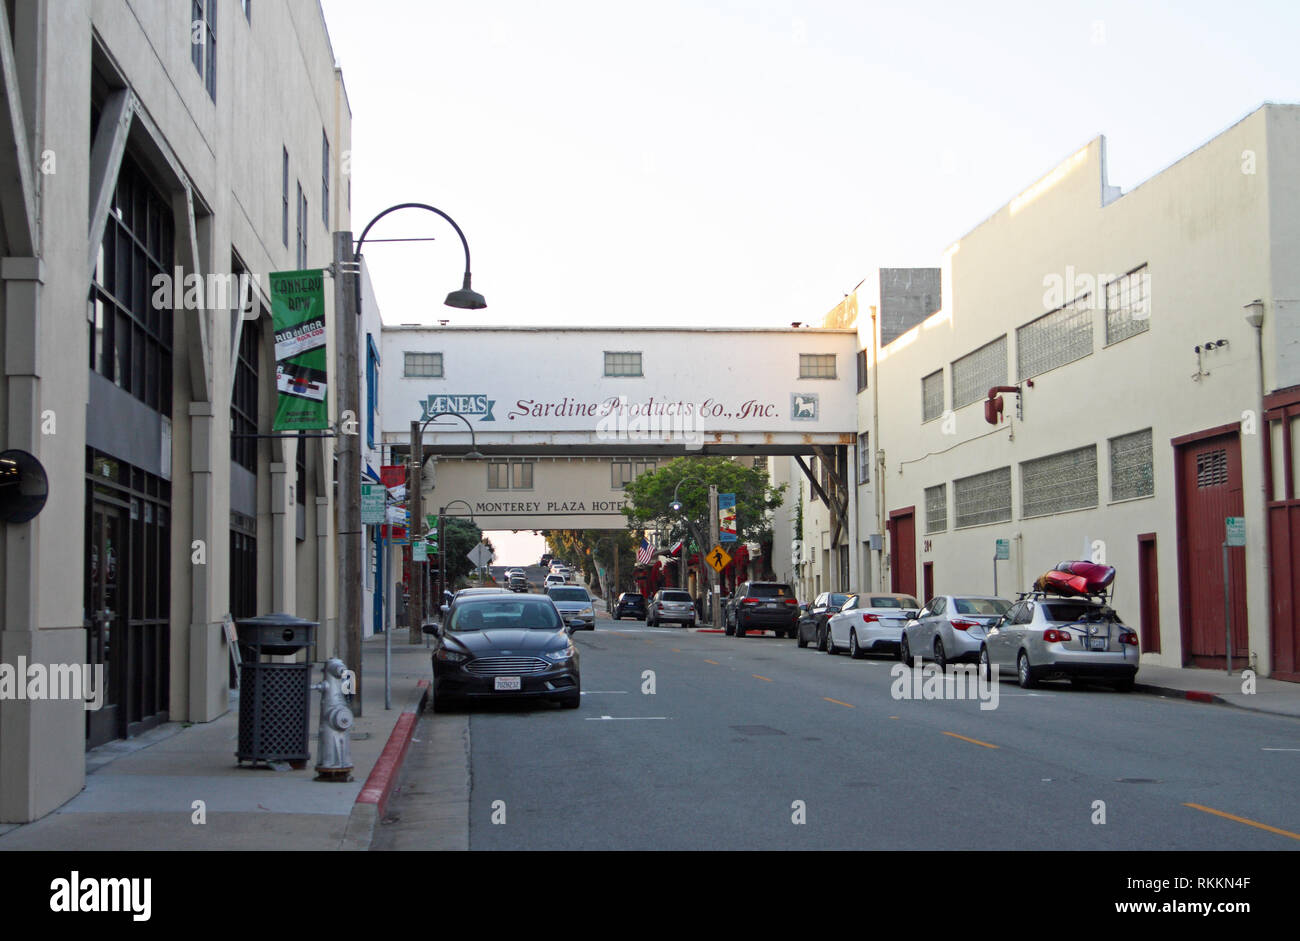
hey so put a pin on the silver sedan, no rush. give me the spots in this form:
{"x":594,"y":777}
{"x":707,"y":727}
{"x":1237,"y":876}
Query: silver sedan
{"x":1046,"y":637}
{"x":950,"y":628}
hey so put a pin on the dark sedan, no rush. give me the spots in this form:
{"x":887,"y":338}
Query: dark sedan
{"x":504,"y":645}
{"x":630,"y":604}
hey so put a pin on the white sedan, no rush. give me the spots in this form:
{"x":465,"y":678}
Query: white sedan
{"x":870,"y":624}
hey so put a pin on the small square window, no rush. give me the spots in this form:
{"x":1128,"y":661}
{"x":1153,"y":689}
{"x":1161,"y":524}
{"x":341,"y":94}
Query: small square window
{"x":622,"y":364}
{"x":816,"y":365}
{"x":522,"y":474}
{"x":422,"y":365}
{"x":620,"y":474}
{"x":498,"y":476}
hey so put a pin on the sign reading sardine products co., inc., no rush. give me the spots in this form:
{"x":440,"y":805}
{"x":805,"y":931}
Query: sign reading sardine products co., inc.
{"x":298,"y":318}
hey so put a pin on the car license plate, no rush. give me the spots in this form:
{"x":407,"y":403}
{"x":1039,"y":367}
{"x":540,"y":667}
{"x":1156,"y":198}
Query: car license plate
{"x":507,"y":684}
{"x":1096,"y":643}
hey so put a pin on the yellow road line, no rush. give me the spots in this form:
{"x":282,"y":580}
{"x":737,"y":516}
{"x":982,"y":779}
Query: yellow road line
{"x":973,"y":741}
{"x":1249,"y":823}
{"x":838,"y":703}
{"x":675,"y":649}
{"x":763,"y":678}
{"x":714,"y":662}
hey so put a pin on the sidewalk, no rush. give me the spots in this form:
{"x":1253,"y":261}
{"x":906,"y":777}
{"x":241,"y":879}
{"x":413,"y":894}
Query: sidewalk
{"x":140,"y":792}
{"x":1275,"y":697}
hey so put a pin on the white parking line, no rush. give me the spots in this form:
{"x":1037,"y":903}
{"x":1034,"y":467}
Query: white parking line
{"x":624,"y":718}
{"x":1280,"y":749}
{"x":604,"y":692}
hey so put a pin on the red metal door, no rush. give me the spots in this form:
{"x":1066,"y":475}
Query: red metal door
{"x":1148,"y":593}
{"x":902,"y":550}
{"x":1209,"y":491}
{"x":927,"y":581}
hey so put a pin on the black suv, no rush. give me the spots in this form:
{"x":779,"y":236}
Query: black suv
{"x":630,"y":604}
{"x":763,"y":606}
{"x":812,"y":624}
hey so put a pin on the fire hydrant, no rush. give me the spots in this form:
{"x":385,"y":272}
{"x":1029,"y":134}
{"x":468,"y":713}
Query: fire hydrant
{"x":334,"y":751}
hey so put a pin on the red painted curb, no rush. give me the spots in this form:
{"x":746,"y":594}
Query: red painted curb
{"x":1198,"y":696}
{"x":708,"y":630}
{"x":379,"y":785}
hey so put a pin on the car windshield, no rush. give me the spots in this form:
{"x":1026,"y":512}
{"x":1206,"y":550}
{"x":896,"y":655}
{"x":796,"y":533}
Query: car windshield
{"x":631,"y":597}
{"x":569,"y":594}
{"x":837,"y":601}
{"x":505,"y":614}
{"x":770,"y":591}
{"x":675,"y":596}
{"x":893,"y":601}
{"x":1071,"y":611}
{"x":982,"y":607}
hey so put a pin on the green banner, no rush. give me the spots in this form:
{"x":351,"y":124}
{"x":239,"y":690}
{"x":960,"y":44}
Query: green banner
{"x":298,"y":319}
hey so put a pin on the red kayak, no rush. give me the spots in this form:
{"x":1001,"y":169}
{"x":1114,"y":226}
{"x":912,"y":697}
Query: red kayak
{"x":1076,"y":578}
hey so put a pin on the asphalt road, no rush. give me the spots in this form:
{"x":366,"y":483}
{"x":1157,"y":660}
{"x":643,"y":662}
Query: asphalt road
{"x":754,"y":744}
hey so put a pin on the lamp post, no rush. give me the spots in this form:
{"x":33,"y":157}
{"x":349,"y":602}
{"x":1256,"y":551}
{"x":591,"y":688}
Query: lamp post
{"x":347,"y":257}
{"x":442,"y":547}
{"x":416,"y":497}
{"x":676,"y":507}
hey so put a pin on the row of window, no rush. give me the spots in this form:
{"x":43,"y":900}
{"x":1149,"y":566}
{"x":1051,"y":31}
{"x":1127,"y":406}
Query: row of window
{"x":1056,"y":338}
{"x":518,"y":475}
{"x":1049,"y":485}
{"x":617,"y":362}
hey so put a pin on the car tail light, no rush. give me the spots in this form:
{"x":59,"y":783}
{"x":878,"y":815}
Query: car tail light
{"x":793,"y":601}
{"x":749,"y":601}
{"x":963,"y":625}
{"x":868,"y":618}
{"x":1129,"y":638}
{"x":1053,"y":636}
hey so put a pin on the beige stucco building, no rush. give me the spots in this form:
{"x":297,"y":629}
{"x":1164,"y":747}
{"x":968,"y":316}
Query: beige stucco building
{"x":146,"y":145}
{"x":1149,"y":408}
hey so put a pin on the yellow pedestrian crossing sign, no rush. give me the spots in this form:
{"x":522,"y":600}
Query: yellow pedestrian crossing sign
{"x":718,"y":558}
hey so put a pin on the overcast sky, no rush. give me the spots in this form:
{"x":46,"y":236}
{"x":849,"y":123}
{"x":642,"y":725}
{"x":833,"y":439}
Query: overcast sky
{"x":750,"y":162}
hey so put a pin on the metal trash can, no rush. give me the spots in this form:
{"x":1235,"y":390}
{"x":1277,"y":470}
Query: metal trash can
{"x":275,"y":698}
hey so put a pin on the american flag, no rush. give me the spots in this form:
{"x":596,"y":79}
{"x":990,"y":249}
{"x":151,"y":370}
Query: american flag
{"x":645,"y":553}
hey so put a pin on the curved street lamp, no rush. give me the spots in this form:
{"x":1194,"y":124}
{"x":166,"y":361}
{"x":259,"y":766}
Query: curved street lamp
{"x":442,"y":547}
{"x":466,"y":298}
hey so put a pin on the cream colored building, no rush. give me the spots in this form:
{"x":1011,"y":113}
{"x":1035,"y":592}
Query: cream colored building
{"x":211,"y":147}
{"x":1147,"y":408}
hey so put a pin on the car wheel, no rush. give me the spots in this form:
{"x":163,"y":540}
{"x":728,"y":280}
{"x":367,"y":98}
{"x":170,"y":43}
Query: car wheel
{"x":940,"y":656}
{"x":572,"y":701}
{"x":855,"y":651}
{"x":904,"y":649}
{"x":740,"y":630}
{"x":727,"y":629}
{"x":799,"y":640}
{"x":616,"y":617}
{"x":986,"y":665}
{"x":821,"y":641}
{"x":830,"y":642}
{"x":1025,"y":672}
{"x":441,"y":703}
{"x":1125,"y":685}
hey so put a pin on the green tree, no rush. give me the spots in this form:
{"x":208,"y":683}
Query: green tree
{"x":650,"y":495}
{"x":457,"y":536}
{"x":589,"y":549}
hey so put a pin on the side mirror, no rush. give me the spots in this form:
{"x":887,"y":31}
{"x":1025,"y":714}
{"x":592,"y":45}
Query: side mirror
{"x":445,"y":609}
{"x":912,"y":614}
{"x":568,"y":629}
{"x":433,"y":628}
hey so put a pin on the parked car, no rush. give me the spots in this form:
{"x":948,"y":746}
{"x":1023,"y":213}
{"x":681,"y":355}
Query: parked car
{"x":503,"y":645}
{"x":575,"y":605}
{"x":951,"y":628}
{"x":630,"y":604}
{"x":763,"y":606}
{"x":870,"y":623}
{"x":674,"y":605}
{"x":1046,"y":637}
{"x":813,"y":618}
{"x":470,"y":593}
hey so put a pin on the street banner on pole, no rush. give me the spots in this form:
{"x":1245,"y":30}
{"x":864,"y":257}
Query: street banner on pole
{"x":298,"y":319}
{"x":727,"y":517}
{"x":393,"y":475}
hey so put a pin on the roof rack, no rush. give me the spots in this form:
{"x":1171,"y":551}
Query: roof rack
{"x":1035,"y":594}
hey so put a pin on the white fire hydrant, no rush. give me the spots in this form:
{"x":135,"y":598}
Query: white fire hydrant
{"x":334,"y":744}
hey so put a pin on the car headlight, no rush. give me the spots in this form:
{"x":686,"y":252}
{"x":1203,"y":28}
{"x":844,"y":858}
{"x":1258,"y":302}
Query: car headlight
{"x":559,"y":656}
{"x":589,"y":611}
{"x":450,"y":656}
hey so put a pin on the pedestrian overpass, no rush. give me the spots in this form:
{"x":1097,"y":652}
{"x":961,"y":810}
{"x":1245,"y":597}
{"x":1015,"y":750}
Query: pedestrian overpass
{"x":564,"y":416}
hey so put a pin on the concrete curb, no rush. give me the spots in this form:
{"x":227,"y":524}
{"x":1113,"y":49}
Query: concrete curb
{"x":1195,"y":695}
{"x":372,"y":802}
